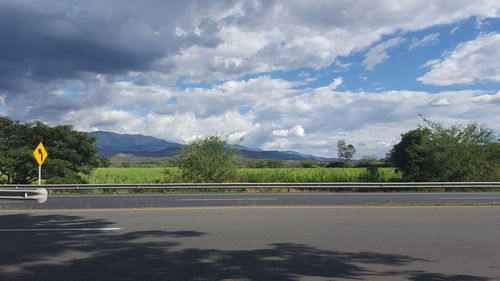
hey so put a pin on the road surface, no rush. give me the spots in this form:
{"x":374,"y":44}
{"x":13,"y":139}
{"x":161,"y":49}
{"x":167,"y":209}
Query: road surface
{"x":252,"y":243}
{"x":249,"y":199}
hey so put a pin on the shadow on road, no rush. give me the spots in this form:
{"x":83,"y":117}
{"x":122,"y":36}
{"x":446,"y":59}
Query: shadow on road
{"x":154,"y":255}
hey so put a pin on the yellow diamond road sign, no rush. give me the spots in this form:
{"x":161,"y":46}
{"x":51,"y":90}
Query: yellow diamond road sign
{"x":40,"y":154}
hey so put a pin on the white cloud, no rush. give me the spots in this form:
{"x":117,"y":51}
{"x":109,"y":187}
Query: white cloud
{"x":292,"y":34}
{"x":162,"y":42}
{"x":335,"y":83}
{"x":378,"y":53}
{"x":428,"y":40}
{"x":470,"y":62}
{"x":280,"y":133}
{"x":282,"y":117}
{"x":296,"y":131}
{"x":439,"y":102}
{"x":431,"y":62}
{"x":309,"y":121}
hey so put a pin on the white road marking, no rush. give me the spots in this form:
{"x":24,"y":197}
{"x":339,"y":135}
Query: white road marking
{"x":59,"y":229}
{"x":230,"y":199}
{"x":468,"y":198}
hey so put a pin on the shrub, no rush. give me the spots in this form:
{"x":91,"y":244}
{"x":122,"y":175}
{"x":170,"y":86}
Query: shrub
{"x":207,"y":160}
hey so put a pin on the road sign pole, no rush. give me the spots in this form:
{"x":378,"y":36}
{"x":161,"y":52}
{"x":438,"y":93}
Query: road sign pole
{"x":40,"y":155}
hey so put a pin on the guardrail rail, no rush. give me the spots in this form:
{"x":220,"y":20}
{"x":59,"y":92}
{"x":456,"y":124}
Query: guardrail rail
{"x":335,"y":185}
{"x":39,"y":192}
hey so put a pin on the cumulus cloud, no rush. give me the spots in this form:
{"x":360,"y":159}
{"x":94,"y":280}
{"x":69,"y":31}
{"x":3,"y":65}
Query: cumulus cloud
{"x":469,"y":62}
{"x":310,"y":120}
{"x":116,"y":65}
{"x":296,"y":131}
{"x":378,"y":53}
{"x":428,"y":40}
{"x":199,"y":40}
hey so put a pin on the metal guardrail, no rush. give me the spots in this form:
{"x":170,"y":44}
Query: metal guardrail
{"x":38,"y":194}
{"x":336,"y":185}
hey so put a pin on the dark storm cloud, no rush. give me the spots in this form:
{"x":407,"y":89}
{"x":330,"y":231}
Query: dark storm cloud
{"x":63,"y":39}
{"x":44,"y":46}
{"x":44,"y":43}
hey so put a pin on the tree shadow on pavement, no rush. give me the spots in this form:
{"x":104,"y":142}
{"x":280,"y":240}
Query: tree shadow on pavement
{"x":156,"y":255}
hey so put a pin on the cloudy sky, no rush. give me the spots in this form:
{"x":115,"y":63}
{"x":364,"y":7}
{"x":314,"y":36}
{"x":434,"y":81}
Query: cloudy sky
{"x":278,"y":75}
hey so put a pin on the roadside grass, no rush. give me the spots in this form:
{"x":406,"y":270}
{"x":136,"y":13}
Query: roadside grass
{"x":157,"y":175}
{"x":150,"y":175}
{"x":133,"y":175}
{"x":294,"y":175}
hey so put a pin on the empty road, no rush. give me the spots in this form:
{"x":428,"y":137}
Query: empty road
{"x":250,"y":199}
{"x":251,"y":243}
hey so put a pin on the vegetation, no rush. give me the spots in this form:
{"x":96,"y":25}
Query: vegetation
{"x":133,"y":175}
{"x":312,"y":175}
{"x":137,"y":175}
{"x":345,"y":151}
{"x":71,"y":153}
{"x":434,"y":152}
{"x":207,"y":160}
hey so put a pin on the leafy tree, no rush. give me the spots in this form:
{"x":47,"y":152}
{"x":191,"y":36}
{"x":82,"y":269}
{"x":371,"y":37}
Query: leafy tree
{"x":71,"y":153}
{"x":345,"y":151}
{"x":207,"y":160}
{"x":413,"y":155}
{"x":434,"y":152}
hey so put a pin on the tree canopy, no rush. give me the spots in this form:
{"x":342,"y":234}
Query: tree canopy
{"x":345,"y":151}
{"x":434,"y":152}
{"x":71,"y":153}
{"x":207,"y":160}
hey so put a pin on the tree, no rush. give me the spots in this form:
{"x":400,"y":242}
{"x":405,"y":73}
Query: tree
{"x":345,"y":151}
{"x":207,"y":160}
{"x":434,"y":152}
{"x":71,"y":153}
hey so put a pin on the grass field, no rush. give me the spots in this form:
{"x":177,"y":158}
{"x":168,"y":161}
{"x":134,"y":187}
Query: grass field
{"x":127,"y":175}
{"x":138,"y":175}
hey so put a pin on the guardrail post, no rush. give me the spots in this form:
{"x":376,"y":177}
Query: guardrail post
{"x":37,"y":194}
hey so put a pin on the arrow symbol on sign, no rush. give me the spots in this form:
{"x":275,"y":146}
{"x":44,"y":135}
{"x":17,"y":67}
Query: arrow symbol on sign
{"x":41,"y":154}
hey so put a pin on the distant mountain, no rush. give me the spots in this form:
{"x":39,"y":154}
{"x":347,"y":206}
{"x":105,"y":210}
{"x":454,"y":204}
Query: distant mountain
{"x":109,"y":144}
{"x":281,"y":155}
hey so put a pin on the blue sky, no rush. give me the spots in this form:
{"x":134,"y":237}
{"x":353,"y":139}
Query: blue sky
{"x":277,"y":75}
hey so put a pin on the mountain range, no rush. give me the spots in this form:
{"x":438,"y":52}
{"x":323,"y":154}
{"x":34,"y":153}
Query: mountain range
{"x":109,"y":144}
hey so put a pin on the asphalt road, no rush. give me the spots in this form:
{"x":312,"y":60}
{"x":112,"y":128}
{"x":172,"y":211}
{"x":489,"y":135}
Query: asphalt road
{"x":252,"y":243}
{"x":248,"y":199}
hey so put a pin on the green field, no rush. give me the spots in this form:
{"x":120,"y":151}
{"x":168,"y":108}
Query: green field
{"x":138,"y":175}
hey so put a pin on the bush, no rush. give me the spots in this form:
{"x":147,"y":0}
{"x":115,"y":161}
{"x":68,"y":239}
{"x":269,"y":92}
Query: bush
{"x":434,"y":152}
{"x":207,"y":160}
{"x":372,"y":174}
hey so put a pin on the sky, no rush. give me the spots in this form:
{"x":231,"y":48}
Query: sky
{"x":277,"y":75}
